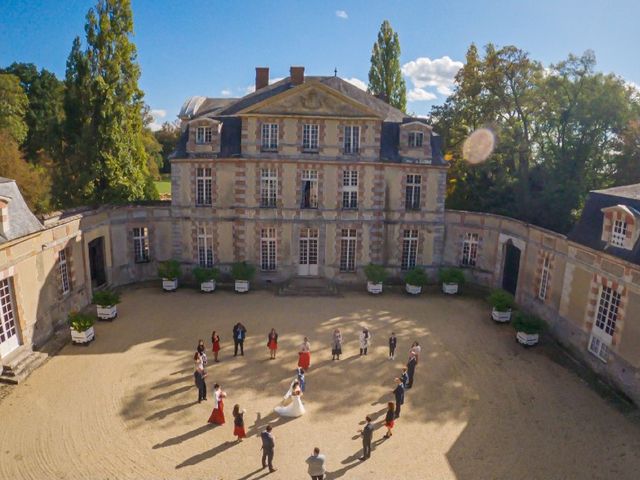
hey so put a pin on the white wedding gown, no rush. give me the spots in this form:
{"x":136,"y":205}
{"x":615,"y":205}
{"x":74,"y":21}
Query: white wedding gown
{"x":295,"y":408}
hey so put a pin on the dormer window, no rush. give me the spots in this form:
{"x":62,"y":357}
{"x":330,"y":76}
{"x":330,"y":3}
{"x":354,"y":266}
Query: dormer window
{"x":203,"y":135}
{"x":619,"y":233}
{"x":416,"y":139}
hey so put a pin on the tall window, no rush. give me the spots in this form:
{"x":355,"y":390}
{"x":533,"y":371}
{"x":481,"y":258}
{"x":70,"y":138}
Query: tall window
{"x":351,"y":139}
{"x":203,"y":135}
{"x":270,"y":136}
{"x":141,"y":244}
{"x":268,"y":187}
{"x":205,"y":248}
{"x":619,"y":233}
{"x":415,"y":139}
{"x":470,"y":249}
{"x":7,"y":317}
{"x":268,"y":249}
{"x":309,"y":189}
{"x":412,"y":192}
{"x":348,"y":250}
{"x":544,"y":279}
{"x":310,"y":137}
{"x":409,"y":249}
{"x":63,"y":268}
{"x":203,"y":186}
{"x":607,"y":313}
{"x":350,"y":189}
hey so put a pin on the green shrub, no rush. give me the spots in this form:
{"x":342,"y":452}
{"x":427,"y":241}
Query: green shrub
{"x":169,"y":269}
{"x":106,"y":298}
{"x":501,"y":300}
{"x":527,"y":323}
{"x":451,"y":275}
{"x":80,"y":322}
{"x":206,"y":274}
{"x":242,"y":271}
{"x":416,"y":277}
{"x":375,"y":273}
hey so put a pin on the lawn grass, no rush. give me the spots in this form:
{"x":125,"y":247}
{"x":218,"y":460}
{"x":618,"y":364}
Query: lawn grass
{"x":164,"y":184}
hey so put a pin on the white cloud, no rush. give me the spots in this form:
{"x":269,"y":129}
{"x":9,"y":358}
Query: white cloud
{"x":226,"y":92}
{"x":342,"y":14}
{"x":158,"y":114}
{"x":357,"y":82}
{"x":420,"y":95}
{"x":424,"y":72}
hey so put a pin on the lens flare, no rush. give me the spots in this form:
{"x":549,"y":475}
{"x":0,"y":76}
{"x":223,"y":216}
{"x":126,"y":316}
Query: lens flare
{"x":478,"y":146}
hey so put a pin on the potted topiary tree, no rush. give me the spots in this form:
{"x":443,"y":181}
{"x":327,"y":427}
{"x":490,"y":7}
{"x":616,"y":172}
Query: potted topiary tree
{"x":207,"y":278}
{"x":452,"y":279}
{"x":376,"y":275}
{"x":528,"y":328}
{"x":242,"y":272}
{"x":414,"y":280}
{"x":106,"y":302}
{"x":169,"y":271}
{"x":81,"y":328}
{"x":502,"y":303}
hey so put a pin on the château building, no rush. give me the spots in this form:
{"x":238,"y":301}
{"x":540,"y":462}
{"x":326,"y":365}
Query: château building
{"x":311,"y":176}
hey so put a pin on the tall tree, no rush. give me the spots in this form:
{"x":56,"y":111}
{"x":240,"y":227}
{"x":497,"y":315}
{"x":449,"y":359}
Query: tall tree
{"x":108,"y":132}
{"x":13,"y":108}
{"x":168,"y":136}
{"x":385,"y":76}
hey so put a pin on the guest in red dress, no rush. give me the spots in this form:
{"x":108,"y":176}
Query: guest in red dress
{"x":272,"y":343}
{"x":304,"y":355}
{"x":217,"y":416}
{"x":390,"y":419}
{"x":215,"y":340}
{"x":238,"y":423}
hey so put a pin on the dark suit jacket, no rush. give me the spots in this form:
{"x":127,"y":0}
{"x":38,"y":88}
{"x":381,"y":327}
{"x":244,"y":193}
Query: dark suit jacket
{"x":239,"y":331}
{"x":393,"y":341}
{"x":399,"y":393}
{"x":267,"y":440}
{"x":367,"y":433}
{"x":405,"y":378}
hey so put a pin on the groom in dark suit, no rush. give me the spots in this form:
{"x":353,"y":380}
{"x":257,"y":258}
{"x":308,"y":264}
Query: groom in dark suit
{"x":367,"y":435}
{"x":239,"y":334}
{"x":399,"y":394}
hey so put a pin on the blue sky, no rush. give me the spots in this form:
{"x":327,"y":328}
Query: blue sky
{"x":211,"y":47}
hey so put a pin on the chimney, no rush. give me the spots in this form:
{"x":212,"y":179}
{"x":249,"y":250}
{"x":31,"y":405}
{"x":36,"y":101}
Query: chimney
{"x":297,"y":75}
{"x":262,"y":77}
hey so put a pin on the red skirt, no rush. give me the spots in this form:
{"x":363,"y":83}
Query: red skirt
{"x":304,"y":359}
{"x":216,"y":347}
{"x":389,"y":424}
{"x":217,"y":416}
{"x":273,"y":345}
{"x":239,"y":432}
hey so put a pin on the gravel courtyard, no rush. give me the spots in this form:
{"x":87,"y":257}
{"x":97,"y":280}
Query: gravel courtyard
{"x":482,"y":407}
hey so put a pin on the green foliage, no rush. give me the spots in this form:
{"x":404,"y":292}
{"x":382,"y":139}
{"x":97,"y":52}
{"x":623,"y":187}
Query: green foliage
{"x":242,"y":271}
{"x":13,"y":108}
{"x":169,"y":269}
{"x":560,"y":133}
{"x":206,"y":274}
{"x":375,"y":273}
{"x":416,"y":277}
{"x":106,"y":298}
{"x":80,"y":322}
{"x":168,"y":136}
{"x":501,"y":300}
{"x":451,"y":275}
{"x":385,"y":76}
{"x":527,"y":323}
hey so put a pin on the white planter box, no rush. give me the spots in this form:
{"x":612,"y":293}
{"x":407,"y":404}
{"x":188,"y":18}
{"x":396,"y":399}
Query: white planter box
{"x":169,"y":285}
{"x":450,"y":288}
{"x":209,"y":286}
{"x":242,"y":286}
{"x":82,"y":337}
{"x":374,"y":288}
{"x":413,"y":289}
{"x":501,"y":316}
{"x":107,"y":312}
{"x":527,"y":338}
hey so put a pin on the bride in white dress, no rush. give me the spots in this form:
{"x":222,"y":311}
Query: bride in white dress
{"x":292,"y":404}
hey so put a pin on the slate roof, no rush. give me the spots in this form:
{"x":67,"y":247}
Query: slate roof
{"x":588,"y":230}
{"x":21,"y":220}
{"x":226,"y":110}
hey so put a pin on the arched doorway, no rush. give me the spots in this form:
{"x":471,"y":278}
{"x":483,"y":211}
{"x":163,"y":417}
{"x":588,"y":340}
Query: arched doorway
{"x":511,"y":267}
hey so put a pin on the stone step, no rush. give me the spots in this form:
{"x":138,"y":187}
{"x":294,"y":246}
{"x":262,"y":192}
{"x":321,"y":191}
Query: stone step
{"x":18,"y":371}
{"x":308,"y":287}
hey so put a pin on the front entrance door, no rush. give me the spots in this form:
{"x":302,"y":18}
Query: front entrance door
{"x":511,"y":267}
{"x":96,"y":262}
{"x":9,"y":340}
{"x":308,"y":265}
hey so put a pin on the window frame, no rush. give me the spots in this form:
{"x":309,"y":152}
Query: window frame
{"x":63,"y":269}
{"x":269,"y":137}
{"x":8,"y":311}
{"x":350,"y":186}
{"x":204,"y":187}
{"x":268,"y":187}
{"x":415,"y":139}
{"x":409,"y":257}
{"x":545,"y":273}
{"x":348,"y":246}
{"x":141,"y":244}
{"x":413,"y":192}
{"x":607,"y":311}
{"x":470,"y":244}
{"x":268,"y":249}
{"x":310,"y":201}
{"x":310,"y":137}
{"x":204,"y":135}
{"x":204,"y":246}
{"x":619,"y":230}
{"x":351,"y":144}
